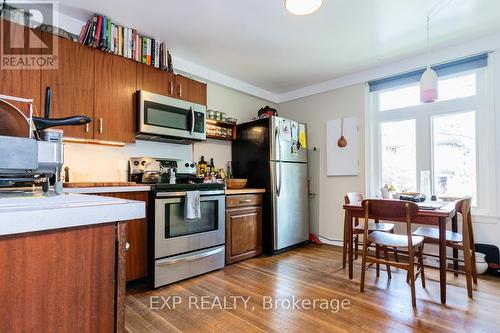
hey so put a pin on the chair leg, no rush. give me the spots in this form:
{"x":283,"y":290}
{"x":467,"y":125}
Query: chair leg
{"x":363,"y":266}
{"x":377,"y":254}
{"x":356,"y":248}
{"x":386,"y":255}
{"x":356,"y":240}
{"x":411,"y":273}
{"x":473,"y":263}
{"x":468,"y":270}
{"x":396,"y":256}
{"x":421,"y":264}
{"x":472,"y":245}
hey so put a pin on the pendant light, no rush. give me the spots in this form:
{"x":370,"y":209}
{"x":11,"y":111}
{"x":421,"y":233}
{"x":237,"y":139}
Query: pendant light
{"x":303,"y":7}
{"x":429,"y":79}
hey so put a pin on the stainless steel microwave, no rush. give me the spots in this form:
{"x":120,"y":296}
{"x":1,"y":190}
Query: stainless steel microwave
{"x":162,"y":118}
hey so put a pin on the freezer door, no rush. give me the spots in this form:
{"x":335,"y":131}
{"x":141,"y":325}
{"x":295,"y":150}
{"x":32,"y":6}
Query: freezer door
{"x":290,"y":204}
{"x":284,"y":141}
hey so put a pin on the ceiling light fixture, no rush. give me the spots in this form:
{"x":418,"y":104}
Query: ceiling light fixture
{"x":303,"y":7}
{"x":429,"y":79}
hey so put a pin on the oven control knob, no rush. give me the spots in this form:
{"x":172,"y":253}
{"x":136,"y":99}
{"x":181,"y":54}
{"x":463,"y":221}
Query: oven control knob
{"x":136,"y":163}
{"x":143,"y":163}
{"x":186,"y":165}
{"x":192,"y":165}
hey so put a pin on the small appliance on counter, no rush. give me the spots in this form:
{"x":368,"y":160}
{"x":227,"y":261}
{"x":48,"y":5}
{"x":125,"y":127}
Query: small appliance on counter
{"x":31,"y":153}
{"x":181,"y":247}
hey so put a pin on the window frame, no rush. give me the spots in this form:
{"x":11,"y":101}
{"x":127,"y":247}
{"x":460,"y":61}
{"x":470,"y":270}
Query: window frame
{"x":423,"y":113}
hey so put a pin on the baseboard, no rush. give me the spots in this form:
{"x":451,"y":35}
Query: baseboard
{"x":331,"y":242}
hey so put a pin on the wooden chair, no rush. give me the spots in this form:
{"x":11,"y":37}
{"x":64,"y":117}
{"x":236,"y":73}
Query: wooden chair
{"x":355,"y":197}
{"x":393,"y":210}
{"x":458,"y":241}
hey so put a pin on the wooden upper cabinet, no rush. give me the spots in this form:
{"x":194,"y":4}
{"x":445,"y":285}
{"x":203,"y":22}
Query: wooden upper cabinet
{"x":23,"y":83}
{"x":72,"y":84}
{"x":181,"y":90}
{"x":114,"y":105}
{"x":197,"y":92}
{"x":154,"y":80}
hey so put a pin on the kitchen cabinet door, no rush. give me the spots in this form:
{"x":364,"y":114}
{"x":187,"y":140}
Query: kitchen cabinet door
{"x":243,"y":233}
{"x":72,"y":84}
{"x":197,"y":92}
{"x":61,"y":280}
{"x":136,"y":257}
{"x":154,"y":80}
{"x":114,"y":104}
{"x":181,"y":89}
{"x":23,"y":83}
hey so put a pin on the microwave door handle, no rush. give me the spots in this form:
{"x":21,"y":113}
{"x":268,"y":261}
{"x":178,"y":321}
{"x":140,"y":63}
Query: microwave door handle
{"x":192,"y":120}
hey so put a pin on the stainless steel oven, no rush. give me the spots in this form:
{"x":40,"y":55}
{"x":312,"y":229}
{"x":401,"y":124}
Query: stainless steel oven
{"x":162,"y":118}
{"x":185,"y":248}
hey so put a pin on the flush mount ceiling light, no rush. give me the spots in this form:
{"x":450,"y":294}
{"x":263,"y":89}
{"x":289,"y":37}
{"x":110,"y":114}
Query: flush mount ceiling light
{"x":303,"y":7}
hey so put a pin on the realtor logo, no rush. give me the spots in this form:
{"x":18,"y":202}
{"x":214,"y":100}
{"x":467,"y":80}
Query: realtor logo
{"x":22,"y":45}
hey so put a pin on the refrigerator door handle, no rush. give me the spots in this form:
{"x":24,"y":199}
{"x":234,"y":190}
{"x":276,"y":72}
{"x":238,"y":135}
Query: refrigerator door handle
{"x":278,"y":138}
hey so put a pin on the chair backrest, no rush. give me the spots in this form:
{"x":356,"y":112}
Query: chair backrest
{"x":396,"y":210}
{"x":392,"y":210}
{"x":462,"y":206}
{"x":353,"y":197}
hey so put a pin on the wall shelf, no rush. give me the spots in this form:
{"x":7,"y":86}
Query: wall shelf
{"x":213,"y":127}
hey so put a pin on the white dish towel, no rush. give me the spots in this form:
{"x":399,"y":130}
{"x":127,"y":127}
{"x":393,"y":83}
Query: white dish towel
{"x":192,"y":206}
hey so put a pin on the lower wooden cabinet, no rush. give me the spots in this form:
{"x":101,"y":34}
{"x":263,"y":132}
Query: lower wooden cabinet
{"x":243,"y":227}
{"x":64,"y":280}
{"x":136,"y":236}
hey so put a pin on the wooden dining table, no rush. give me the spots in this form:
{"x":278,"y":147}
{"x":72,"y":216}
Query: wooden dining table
{"x":436,"y":217}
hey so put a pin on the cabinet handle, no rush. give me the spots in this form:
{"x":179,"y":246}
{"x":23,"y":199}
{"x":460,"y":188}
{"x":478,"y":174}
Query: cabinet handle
{"x":87,"y":128}
{"x":171,"y":87}
{"x":180,"y":90}
{"x":127,"y":246}
{"x":244,"y":201}
{"x":100,"y":126}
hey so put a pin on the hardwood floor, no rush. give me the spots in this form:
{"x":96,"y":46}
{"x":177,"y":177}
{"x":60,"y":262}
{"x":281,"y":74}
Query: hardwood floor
{"x":313,"y":272}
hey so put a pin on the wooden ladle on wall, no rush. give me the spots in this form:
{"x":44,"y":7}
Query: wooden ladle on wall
{"x":342,"y":141}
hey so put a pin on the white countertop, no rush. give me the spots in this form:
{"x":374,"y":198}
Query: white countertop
{"x":34,"y":211}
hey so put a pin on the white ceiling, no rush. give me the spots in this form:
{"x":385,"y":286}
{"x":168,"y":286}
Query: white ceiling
{"x":258,"y":42}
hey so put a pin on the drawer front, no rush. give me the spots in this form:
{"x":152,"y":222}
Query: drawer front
{"x":184,"y":266}
{"x":243,"y":200}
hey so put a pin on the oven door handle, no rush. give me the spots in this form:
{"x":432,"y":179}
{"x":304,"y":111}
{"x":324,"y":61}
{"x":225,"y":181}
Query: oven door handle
{"x":190,"y":257}
{"x":183,"y":194}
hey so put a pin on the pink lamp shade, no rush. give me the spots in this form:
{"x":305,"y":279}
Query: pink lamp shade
{"x":429,"y":86}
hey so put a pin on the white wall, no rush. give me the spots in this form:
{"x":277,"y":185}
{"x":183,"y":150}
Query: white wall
{"x":102,"y":163}
{"x":315,"y":111}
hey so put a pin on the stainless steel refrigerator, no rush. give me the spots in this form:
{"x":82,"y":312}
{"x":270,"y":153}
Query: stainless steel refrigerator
{"x":269,"y":153}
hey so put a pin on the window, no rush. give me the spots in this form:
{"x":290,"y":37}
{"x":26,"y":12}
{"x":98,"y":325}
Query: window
{"x":454,"y":150}
{"x":398,"y":150}
{"x":410,"y":140}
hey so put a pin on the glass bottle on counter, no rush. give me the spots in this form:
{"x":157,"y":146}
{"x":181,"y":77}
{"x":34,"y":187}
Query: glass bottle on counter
{"x":211,"y":167}
{"x":202,"y":167}
{"x":229,"y":171}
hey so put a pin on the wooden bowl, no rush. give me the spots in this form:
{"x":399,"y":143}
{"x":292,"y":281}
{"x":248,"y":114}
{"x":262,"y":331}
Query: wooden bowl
{"x":235,"y":183}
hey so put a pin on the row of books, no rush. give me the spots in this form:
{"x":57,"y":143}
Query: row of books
{"x":100,"y":32}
